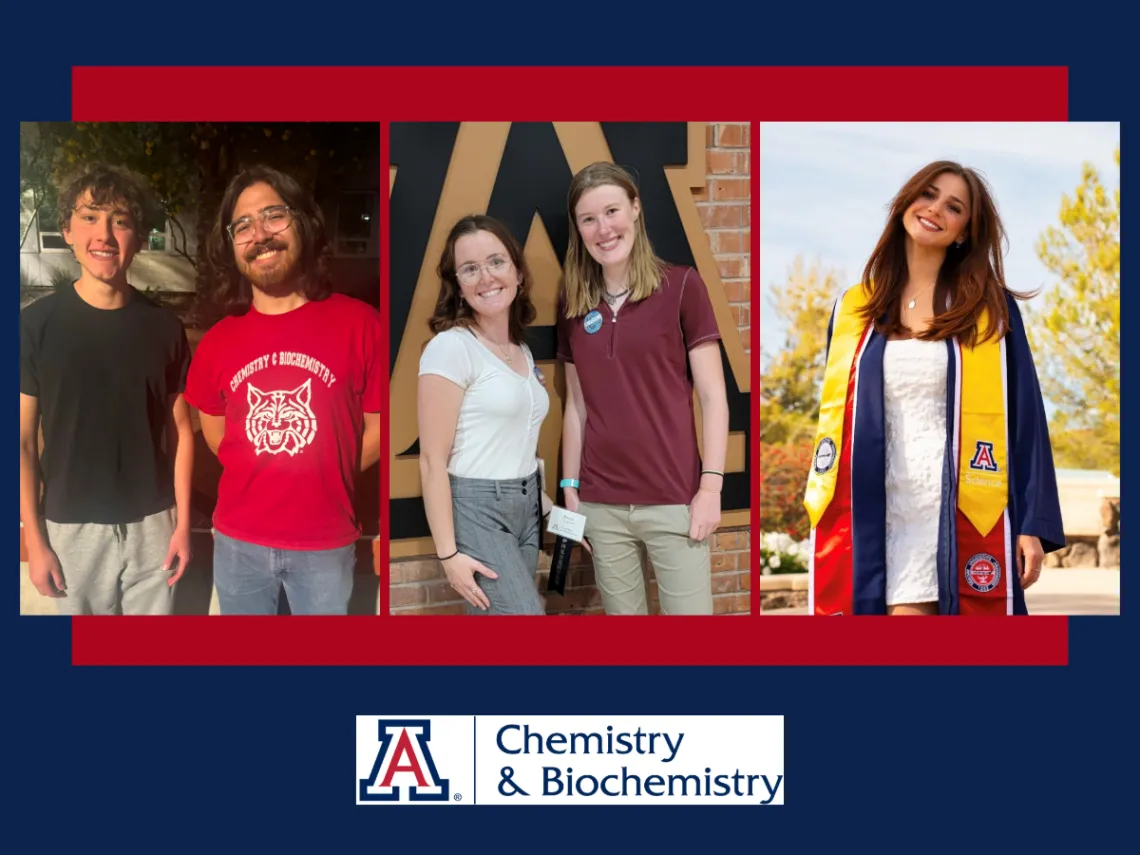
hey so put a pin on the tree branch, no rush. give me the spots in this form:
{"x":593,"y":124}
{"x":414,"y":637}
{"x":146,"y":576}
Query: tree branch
{"x":181,"y":250}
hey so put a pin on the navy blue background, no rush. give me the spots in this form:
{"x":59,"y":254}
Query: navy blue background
{"x":148,"y":759}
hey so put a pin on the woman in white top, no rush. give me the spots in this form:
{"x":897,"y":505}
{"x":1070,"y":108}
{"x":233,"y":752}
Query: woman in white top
{"x":481,"y":402}
{"x":932,"y":490}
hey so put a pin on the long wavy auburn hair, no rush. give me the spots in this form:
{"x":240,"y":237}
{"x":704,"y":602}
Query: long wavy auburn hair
{"x":971,"y":278}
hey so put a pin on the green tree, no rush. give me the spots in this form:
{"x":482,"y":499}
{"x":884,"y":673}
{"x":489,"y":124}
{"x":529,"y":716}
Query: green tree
{"x":160,"y":151}
{"x":790,"y":378}
{"x":1076,"y":335}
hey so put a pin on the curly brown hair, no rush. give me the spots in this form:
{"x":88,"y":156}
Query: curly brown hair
{"x":226,"y":288}
{"x":450,"y":308}
{"x":110,"y":184}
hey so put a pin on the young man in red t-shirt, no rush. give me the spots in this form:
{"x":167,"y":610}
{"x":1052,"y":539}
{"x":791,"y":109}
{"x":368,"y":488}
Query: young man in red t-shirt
{"x":288,"y":390}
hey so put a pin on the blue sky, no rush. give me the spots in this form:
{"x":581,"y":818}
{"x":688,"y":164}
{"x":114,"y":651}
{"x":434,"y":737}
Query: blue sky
{"x":825,"y":188}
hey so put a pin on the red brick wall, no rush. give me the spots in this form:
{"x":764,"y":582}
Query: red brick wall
{"x":417,"y":585}
{"x":727,"y":215}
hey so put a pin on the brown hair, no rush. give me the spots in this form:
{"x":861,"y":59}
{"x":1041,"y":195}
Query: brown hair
{"x":971,"y":277}
{"x":451,"y":310}
{"x":582,"y":276}
{"x":108,"y":185}
{"x":225,"y":285}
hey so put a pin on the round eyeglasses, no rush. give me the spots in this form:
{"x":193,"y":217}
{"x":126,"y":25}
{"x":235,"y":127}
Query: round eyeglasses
{"x":470,"y":272}
{"x":273,"y":220}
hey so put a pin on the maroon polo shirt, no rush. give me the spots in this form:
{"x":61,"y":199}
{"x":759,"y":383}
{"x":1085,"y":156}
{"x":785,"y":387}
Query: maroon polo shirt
{"x":640,"y":446}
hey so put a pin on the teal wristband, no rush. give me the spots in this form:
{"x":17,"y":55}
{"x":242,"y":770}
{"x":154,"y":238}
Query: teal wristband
{"x":568,"y":482}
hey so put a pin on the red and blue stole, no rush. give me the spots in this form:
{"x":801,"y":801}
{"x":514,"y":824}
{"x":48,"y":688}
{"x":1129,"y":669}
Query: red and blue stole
{"x":976,"y":558}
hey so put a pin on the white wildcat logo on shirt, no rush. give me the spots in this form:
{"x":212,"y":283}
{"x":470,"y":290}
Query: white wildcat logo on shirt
{"x":280,"y":421}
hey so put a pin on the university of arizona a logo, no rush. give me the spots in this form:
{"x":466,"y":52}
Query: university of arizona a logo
{"x":279,"y":420}
{"x":984,"y":457}
{"x":404,"y":765}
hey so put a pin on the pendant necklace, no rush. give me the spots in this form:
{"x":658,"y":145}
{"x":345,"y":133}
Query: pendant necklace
{"x":506,"y":353}
{"x":613,"y":298}
{"x":914,"y":299}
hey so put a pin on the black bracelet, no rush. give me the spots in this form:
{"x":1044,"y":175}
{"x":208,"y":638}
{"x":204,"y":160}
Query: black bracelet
{"x":452,"y":555}
{"x":711,"y":472}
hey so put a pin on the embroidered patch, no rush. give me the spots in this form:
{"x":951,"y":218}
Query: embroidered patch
{"x":824,"y":455}
{"x":983,"y":458}
{"x":983,"y":572}
{"x":593,"y":322}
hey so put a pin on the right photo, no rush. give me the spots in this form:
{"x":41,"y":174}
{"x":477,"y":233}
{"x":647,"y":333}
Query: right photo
{"x":939,"y":369}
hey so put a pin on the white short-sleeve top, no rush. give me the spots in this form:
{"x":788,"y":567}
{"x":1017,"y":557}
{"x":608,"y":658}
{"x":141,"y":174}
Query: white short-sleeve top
{"x":496,"y":436}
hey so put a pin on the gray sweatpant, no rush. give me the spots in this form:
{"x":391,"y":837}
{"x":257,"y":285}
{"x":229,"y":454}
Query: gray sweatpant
{"x":114,"y":569}
{"x":498,"y":523}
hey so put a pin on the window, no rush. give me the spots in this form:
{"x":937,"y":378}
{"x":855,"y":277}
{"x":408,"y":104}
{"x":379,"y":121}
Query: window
{"x":158,"y":238}
{"x":47,"y":223}
{"x":356,"y":224}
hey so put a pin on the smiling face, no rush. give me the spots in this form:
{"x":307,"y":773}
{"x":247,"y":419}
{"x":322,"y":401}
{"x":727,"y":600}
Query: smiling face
{"x":940,"y":215}
{"x":488,"y":279}
{"x":104,"y":238}
{"x":607,"y":222}
{"x":264,"y":258}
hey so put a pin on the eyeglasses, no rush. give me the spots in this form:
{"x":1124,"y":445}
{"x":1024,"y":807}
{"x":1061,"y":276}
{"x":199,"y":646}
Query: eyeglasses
{"x":470,"y":272}
{"x":273,"y":221}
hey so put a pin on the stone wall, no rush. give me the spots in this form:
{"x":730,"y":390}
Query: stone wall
{"x":1088,"y":551}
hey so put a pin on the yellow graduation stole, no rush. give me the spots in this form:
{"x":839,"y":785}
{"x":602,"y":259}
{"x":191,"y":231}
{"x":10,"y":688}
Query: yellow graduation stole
{"x":983,"y":478}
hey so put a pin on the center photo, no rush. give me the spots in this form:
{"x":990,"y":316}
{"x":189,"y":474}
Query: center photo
{"x":570,"y":333}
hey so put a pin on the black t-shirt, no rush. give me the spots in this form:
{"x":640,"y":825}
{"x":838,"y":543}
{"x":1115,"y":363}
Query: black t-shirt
{"x":104,"y":380}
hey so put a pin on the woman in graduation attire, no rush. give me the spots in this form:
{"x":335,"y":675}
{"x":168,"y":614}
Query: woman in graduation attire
{"x":932,"y":488}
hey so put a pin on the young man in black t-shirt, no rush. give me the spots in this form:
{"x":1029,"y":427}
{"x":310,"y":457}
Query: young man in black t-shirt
{"x":104,"y":367}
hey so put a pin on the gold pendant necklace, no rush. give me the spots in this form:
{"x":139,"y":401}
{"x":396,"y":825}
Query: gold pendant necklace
{"x":914,"y":299}
{"x":506,"y":353}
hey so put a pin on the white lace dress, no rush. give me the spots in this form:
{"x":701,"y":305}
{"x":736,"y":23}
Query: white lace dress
{"x":914,"y":393}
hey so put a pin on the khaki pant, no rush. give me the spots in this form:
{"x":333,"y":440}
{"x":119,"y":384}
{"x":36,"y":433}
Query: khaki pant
{"x":681,"y":565}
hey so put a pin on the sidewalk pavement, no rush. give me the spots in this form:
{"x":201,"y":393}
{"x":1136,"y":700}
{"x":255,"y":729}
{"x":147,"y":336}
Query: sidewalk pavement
{"x":1059,"y":591}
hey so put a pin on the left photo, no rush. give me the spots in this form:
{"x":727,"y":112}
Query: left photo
{"x":200,"y":368}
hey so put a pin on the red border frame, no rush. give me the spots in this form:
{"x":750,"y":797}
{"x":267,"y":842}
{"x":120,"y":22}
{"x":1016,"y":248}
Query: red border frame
{"x":836,"y":94}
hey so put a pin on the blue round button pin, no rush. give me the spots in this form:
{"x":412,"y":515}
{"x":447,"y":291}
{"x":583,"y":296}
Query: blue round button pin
{"x":593,"y":322}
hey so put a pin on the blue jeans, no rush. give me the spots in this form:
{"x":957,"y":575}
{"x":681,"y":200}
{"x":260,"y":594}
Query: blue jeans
{"x":249,"y":578}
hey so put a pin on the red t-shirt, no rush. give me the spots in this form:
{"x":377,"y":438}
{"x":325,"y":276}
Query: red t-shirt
{"x":293,"y":389}
{"x":640,"y":445}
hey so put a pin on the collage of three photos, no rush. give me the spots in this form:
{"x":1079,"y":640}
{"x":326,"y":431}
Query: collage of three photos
{"x":551,"y":369}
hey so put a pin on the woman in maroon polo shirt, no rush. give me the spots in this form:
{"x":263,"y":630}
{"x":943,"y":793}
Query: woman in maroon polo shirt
{"x":638,"y":336}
